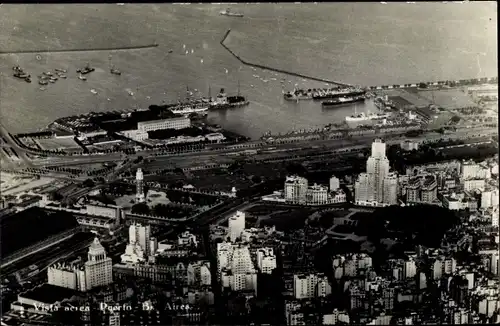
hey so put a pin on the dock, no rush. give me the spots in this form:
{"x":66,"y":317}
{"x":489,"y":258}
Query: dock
{"x":291,"y":73}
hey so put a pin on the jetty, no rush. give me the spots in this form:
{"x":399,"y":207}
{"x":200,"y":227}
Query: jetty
{"x":121,"y":48}
{"x":291,"y":73}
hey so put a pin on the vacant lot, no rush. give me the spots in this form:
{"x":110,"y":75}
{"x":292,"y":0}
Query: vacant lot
{"x":57,"y":143}
{"x":447,"y":98}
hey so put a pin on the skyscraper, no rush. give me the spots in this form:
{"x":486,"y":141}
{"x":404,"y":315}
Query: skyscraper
{"x":139,"y":179}
{"x":98,"y":268}
{"x":370,"y":185}
{"x":377,"y":168}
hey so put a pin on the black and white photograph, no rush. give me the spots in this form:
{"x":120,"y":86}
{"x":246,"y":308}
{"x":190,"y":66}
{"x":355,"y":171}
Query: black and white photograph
{"x":326,"y":163}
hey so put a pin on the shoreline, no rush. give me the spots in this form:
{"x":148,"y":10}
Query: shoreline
{"x":122,"y":48}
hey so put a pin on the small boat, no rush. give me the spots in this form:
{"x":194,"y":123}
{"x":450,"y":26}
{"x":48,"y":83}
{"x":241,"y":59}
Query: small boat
{"x":187,"y":52}
{"x":42,"y":88}
{"x":82,"y":77}
{"x":63,"y":76}
{"x":109,"y":99}
{"x":251,"y":85}
{"x":170,"y":51}
{"x":183,"y":46}
{"x":52,"y":81}
{"x":130,"y":93}
{"x":201,"y":60}
{"x":228,"y":12}
{"x":43,"y":82}
{"x":17,"y":68}
{"x":93,"y":91}
{"x":53,"y":78}
{"x":48,"y":73}
{"x":28,"y":79}
{"x":115,"y":71}
{"x":61,"y":70}
{"x":192,"y":51}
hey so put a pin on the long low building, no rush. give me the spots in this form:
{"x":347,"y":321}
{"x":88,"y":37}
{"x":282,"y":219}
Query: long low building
{"x":32,"y":230}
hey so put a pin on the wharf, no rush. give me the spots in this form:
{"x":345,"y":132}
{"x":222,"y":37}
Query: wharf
{"x":276,"y":69}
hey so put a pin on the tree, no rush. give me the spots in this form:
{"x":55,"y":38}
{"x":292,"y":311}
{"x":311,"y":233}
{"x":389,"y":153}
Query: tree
{"x":88,"y":183}
{"x":141,"y":208}
{"x":422,"y":85}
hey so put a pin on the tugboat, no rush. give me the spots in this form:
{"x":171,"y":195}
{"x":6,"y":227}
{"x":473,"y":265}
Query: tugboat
{"x":87,"y":69}
{"x":228,"y":12}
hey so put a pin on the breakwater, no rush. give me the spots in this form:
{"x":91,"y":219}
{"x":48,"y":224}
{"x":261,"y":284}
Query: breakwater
{"x":122,"y":48}
{"x":291,"y":73}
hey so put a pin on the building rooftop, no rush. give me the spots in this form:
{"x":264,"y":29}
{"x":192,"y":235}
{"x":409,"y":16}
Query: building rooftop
{"x":49,"y":294}
{"x":26,"y":228}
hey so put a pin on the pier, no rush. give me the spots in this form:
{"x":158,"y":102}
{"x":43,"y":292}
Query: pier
{"x":122,"y":48}
{"x":276,"y":69}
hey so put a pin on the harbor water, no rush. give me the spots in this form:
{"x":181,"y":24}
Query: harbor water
{"x":364,"y":44}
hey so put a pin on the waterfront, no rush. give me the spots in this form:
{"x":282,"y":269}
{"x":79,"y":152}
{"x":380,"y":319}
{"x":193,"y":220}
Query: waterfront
{"x":154,"y":75}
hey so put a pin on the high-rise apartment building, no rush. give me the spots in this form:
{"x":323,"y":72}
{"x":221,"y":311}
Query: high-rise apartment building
{"x":266,"y":260}
{"x":391,"y":190}
{"x":307,"y":286}
{"x":296,"y":189}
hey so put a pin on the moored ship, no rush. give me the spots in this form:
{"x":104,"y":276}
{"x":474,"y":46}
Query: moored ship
{"x":332,"y":94}
{"x":222,"y":101}
{"x":229,"y":13}
{"x":343,"y":100}
{"x":189,"y":109}
{"x":364,"y":117}
{"x":322,"y":93}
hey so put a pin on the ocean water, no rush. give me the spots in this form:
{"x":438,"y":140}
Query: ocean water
{"x":358,"y":43}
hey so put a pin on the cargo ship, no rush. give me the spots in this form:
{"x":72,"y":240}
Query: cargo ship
{"x":364,"y":117}
{"x":343,"y":100}
{"x":222,"y":101}
{"x":332,"y":94}
{"x":322,"y":94}
{"x":229,"y":13}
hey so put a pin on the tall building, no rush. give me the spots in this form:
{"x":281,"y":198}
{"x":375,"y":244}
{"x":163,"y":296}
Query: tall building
{"x":361,"y":189}
{"x":296,"y":189}
{"x":98,"y":268}
{"x":139,"y":179}
{"x":307,"y":286}
{"x":266,"y":260}
{"x":334,"y":183}
{"x":236,"y":225}
{"x":391,"y":189}
{"x":67,"y":276}
{"x":141,"y":246}
{"x":370,"y":185}
{"x":235,"y":267}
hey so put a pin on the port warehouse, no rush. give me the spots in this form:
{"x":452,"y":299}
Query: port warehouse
{"x":32,"y":230}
